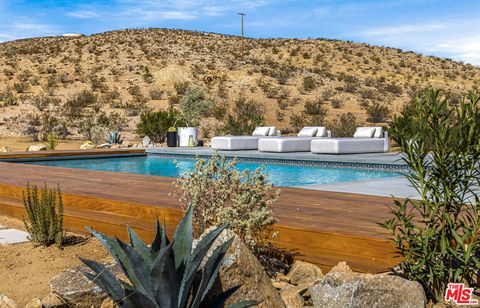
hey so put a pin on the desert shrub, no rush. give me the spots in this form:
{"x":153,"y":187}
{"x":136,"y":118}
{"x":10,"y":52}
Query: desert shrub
{"x":171,"y":272}
{"x":74,"y":107}
{"x":181,"y":87}
{"x":41,"y":124}
{"x":438,"y":235}
{"x":44,"y":215}
{"x":336,"y":103}
{"x":155,"y":124}
{"x":21,"y":87}
{"x":247,"y":114}
{"x":344,"y":126}
{"x":221,"y":193}
{"x":194,"y":106}
{"x":377,"y":112}
{"x":147,"y":76}
{"x":309,"y":83}
{"x":52,"y":141}
{"x":156,"y":94}
{"x":313,"y":114}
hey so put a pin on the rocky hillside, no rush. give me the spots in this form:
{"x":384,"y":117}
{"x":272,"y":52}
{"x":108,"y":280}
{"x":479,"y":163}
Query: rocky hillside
{"x":119,"y":74}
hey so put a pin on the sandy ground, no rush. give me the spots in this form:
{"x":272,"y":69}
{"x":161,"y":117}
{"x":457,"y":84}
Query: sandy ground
{"x":22,"y":143}
{"x":26,"y":269}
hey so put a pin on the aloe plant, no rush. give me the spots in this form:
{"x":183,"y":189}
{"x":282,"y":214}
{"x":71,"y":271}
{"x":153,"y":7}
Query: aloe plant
{"x":114,"y":137}
{"x":165,"y":274}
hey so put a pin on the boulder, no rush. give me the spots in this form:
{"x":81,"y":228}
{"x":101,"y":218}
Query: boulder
{"x":241,"y":267}
{"x":77,"y":290}
{"x":108,"y":303}
{"x":87,"y":145}
{"x":36,"y":148}
{"x":341,"y":267}
{"x":125,"y":144}
{"x":6,"y":148}
{"x":103,"y":146}
{"x":52,"y":300}
{"x":34,"y":303}
{"x":6,"y":302}
{"x":304,"y":272}
{"x":347,"y":289}
{"x":292,"y":295}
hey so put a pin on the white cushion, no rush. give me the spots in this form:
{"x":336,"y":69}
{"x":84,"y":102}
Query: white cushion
{"x":364,"y":132}
{"x":321,"y":132}
{"x":272,"y":131}
{"x":261,"y":131}
{"x":348,"y":145}
{"x":378,"y":132}
{"x":307,"y":132}
{"x":285,"y":144}
{"x":232,"y":143}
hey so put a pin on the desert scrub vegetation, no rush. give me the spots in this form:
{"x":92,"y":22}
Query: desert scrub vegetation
{"x":44,"y":215}
{"x":131,"y":72}
{"x":222,"y":193}
{"x":155,"y":124}
{"x":167,"y":273}
{"x":438,"y":235}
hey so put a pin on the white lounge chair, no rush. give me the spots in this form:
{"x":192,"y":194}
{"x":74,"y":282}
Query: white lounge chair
{"x":365,"y":140}
{"x":300,"y":143}
{"x":235,"y":143}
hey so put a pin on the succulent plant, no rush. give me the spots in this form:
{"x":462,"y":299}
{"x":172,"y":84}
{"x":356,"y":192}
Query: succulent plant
{"x":114,"y":137}
{"x":166,"y":274}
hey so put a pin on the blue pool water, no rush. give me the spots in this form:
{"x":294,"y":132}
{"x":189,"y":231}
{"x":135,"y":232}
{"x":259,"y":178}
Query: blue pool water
{"x":279,"y":174}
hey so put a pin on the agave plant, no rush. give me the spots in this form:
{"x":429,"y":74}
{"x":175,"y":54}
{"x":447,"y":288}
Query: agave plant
{"x":166,"y":274}
{"x":114,"y":137}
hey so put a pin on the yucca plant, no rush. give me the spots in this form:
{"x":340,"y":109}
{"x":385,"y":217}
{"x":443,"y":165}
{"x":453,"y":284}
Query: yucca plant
{"x":114,"y":137}
{"x":44,"y":220}
{"x":166,"y":274}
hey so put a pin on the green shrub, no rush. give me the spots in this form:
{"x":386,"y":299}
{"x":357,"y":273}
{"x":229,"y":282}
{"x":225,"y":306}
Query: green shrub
{"x":344,"y":126}
{"x":438,"y":234}
{"x":309,"y":83}
{"x":245,"y":117}
{"x":155,"y":124}
{"x":221,"y":193}
{"x":52,"y":141}
{"x":44,"y":215}
{"x":164,"y":274}
{"x":194,"y":106}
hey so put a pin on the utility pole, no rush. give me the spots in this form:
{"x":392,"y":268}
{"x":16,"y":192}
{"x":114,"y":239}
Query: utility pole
{"x":243,"y":44}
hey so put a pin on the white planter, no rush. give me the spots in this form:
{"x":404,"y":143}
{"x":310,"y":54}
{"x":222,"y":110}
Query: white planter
{"x":184,"y":133}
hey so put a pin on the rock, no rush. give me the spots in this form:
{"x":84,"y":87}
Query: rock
{"x":293,"y":295}
{"x":115,"y":146}
{"x":77,"y":290}
{"x":146,"y":140}
{"x":103,"y":146}
{"x":125,"y":144}
{"x":278,"y":284}
{"x":6,"y":302}
{"x":6,"y":148}
{"x":108,"y":303}
{"x":346,"y":289}
{"x":241,"y":267}
{"x":52,"y":300}
{"x":36,"y":148}
{"x":87,"y":145}
{"x":34,"y":303}
{"x":304,"y":272}
{"x":341,"y":267}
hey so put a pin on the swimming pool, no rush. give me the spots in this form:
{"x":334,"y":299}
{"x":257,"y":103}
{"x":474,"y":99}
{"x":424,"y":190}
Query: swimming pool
{"x":280,"y":174}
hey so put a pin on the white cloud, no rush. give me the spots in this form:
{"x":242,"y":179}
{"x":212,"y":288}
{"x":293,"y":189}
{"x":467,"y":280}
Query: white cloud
{"x":83,"y":14}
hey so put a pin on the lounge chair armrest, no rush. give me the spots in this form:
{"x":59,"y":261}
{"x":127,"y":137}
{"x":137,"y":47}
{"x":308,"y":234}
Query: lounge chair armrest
{"x":385,"y":136}
{"x":329,"y":134}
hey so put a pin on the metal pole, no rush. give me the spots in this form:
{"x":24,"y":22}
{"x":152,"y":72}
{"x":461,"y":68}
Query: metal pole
{"x":243,"y":44}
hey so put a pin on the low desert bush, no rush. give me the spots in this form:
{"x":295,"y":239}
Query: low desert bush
{"x":44,"y":215}
{"x":194,"y":106}
{"x":52,"y":141}
{"x":246,"y":115}
{"x":437,"y":235}
{"x":222,"y":193}
{"x":344,"y":126}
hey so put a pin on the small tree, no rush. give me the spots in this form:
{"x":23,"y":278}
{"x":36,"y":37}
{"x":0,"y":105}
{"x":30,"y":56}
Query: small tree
{"x":155,"y":124}
{"x":222,"y":194}
{"x":194,"y":106}
{"x":438,"y":235}
{"x":44,"y":212}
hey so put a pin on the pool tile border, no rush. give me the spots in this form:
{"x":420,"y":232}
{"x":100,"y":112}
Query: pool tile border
{"x":339,"y":164}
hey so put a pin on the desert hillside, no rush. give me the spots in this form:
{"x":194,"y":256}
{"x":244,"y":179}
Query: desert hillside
{"x":71,"y":84}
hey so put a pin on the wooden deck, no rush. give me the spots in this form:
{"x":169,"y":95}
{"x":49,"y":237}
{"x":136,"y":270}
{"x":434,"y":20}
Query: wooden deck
{"x":322,"y":227}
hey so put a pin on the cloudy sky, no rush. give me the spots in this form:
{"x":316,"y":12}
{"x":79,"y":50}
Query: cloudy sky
{"x":446,"y":28}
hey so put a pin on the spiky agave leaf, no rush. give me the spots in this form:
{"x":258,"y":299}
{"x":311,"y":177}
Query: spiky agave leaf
{"x":105,"y":280}
{"x":165,"y":278}
{"x":182,"y":240}
{"x":160,"y":241}
{"x":139,"y":246}
{"x":198,"y":254}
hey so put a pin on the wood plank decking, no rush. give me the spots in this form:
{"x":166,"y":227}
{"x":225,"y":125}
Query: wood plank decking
{"x":322,"y":227}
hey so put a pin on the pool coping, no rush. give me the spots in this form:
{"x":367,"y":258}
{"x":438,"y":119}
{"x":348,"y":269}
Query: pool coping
{"x":69,"y":154}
